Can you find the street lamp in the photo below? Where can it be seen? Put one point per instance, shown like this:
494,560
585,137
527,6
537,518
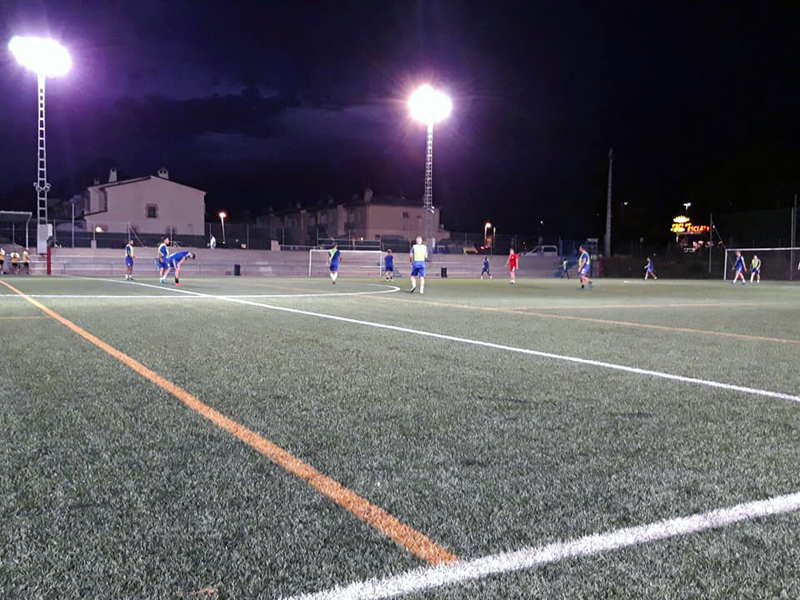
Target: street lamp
486,229
222,216
46,58
686,205
429,106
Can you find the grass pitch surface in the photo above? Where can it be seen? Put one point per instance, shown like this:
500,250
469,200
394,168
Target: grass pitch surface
113,488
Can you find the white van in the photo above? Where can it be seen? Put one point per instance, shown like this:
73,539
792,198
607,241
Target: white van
542,251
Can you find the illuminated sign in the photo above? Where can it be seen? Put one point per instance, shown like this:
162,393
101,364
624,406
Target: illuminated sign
682,224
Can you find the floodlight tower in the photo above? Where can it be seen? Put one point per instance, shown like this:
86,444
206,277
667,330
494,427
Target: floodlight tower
429,107
46,58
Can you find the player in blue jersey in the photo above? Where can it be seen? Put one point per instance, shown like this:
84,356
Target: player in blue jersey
487,268
161,260
129,261
388,265
649,271
333,262
739,268
755,269
417,258
174,261
584,267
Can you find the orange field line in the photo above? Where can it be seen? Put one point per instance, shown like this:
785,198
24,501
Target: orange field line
741,336
526,311
402,534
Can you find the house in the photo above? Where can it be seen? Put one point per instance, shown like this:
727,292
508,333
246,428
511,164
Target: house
368,217
153,204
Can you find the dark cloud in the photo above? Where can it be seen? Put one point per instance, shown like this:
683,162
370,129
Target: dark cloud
271,102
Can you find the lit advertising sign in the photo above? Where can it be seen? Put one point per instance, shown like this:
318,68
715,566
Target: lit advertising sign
682,224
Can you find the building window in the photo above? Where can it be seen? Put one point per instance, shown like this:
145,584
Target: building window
406,215
152,211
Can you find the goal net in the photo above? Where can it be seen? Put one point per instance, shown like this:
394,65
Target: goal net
352,263
776,263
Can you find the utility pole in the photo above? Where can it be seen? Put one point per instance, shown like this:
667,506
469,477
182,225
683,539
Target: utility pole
793,241
710,239
608,203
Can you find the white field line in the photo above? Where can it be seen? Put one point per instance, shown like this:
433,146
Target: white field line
427,578
202,297
452,338
390,289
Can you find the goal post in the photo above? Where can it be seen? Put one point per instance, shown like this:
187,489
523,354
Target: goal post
776,263
352,263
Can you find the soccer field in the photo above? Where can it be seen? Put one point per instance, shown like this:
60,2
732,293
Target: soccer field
285,438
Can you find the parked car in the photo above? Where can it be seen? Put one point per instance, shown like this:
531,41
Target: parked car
542,251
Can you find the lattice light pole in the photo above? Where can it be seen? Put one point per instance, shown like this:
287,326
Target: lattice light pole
46,58
429,107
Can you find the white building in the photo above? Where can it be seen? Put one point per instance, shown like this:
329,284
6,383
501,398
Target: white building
152,204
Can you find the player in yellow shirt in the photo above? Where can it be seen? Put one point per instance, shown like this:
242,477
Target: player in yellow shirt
2,260
417,258
14,262
26,261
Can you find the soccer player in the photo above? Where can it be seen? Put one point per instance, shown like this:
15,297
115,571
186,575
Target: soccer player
511,263
565,269
129,261
174,261
584,266
2,259
755,269
161,260
739,268
333,262
26,261
487,269
417,258
648,269
14,262
388,265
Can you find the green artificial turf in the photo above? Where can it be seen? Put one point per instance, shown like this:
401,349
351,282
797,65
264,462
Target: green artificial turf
112,488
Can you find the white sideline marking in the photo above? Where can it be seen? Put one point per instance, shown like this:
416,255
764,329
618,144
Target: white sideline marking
427,578
452,338
203,297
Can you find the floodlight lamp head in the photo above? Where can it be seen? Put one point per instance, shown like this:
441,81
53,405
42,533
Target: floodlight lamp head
44,56
429,106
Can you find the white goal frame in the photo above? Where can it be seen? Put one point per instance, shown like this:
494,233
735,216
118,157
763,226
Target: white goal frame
370,265
789,249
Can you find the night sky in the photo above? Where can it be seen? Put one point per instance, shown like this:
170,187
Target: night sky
269,103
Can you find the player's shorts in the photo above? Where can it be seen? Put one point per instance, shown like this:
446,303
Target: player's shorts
418,269
649,269
584,271
739,270
160,264
334,267
128,261
756,271
485,270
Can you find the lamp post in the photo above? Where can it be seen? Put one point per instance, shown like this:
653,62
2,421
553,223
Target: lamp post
222,216
429,106
46,58
686,206
486,229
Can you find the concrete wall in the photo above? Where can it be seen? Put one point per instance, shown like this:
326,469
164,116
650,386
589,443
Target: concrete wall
220,262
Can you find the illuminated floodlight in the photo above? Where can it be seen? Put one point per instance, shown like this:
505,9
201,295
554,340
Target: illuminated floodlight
429,106
44,56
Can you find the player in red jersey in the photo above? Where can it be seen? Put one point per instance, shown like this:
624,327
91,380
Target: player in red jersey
511,263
